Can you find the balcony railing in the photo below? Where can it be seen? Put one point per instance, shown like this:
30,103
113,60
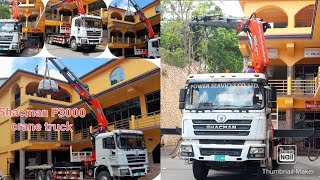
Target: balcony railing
303,87
16,103
41,136
298,87
280,85
147,120
150,120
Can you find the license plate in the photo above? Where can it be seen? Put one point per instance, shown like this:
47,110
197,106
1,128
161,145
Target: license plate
221,158
139,174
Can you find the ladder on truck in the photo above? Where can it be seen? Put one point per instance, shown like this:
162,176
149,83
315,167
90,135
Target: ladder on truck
275,117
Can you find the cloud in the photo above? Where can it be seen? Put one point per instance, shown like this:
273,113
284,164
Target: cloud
7,67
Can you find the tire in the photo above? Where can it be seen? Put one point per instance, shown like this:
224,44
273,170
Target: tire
48,175
104,175
74,45
200,170
92,48
41,175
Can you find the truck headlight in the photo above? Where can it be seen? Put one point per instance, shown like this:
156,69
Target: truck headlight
124,172
15,46
187,150
84,41
256,152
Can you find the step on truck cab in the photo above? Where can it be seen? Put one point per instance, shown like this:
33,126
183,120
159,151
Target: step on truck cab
225,123
10,36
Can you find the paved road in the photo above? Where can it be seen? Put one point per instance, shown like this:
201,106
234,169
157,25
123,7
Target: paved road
61,51
28,52
177,170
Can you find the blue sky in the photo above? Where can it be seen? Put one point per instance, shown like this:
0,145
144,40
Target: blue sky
124,3
79,66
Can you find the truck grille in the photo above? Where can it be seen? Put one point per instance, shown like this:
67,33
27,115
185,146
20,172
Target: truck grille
215,151
136,159
214,141
232,127
91,33
6,38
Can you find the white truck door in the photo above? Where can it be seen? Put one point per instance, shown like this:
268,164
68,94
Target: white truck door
106,151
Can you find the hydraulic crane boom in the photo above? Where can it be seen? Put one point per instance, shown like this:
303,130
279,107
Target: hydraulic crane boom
81,89
143,19
15,9
78,3
254,28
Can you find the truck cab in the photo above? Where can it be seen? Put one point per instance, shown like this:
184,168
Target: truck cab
226,122
10,42
86,31
121,153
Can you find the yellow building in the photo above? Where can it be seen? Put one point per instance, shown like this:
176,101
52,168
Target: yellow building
130,98
121,32
293,45
31,21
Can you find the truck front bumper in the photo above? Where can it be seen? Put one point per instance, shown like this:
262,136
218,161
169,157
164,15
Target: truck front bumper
9,47
126,171
222,152
90,41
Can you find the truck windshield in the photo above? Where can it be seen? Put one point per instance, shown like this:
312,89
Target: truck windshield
131,141
8,27
204,96
92,23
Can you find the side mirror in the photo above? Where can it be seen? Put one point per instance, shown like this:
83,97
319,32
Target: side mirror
272,104
182,98
273,93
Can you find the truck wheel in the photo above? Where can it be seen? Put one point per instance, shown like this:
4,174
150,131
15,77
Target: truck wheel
200,170
41,175
104,175
92,48
49,175
74,46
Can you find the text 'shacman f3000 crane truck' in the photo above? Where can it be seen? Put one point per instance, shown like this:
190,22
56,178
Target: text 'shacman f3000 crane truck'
115,155
228,118
11,32
152,44
85,30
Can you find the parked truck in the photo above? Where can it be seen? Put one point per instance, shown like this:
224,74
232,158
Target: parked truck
119,154
227,122
85,31
11,41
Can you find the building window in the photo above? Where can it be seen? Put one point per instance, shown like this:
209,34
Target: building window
123,110
85,123
158,8
117,75
96,6
153,102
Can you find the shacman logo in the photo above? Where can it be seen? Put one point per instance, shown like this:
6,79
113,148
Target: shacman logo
286,154
221,127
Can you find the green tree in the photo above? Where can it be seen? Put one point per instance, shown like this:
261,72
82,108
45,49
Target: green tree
4,11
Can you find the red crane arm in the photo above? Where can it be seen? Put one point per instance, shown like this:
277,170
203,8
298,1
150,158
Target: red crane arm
81,89
15,9
143,19
254,28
